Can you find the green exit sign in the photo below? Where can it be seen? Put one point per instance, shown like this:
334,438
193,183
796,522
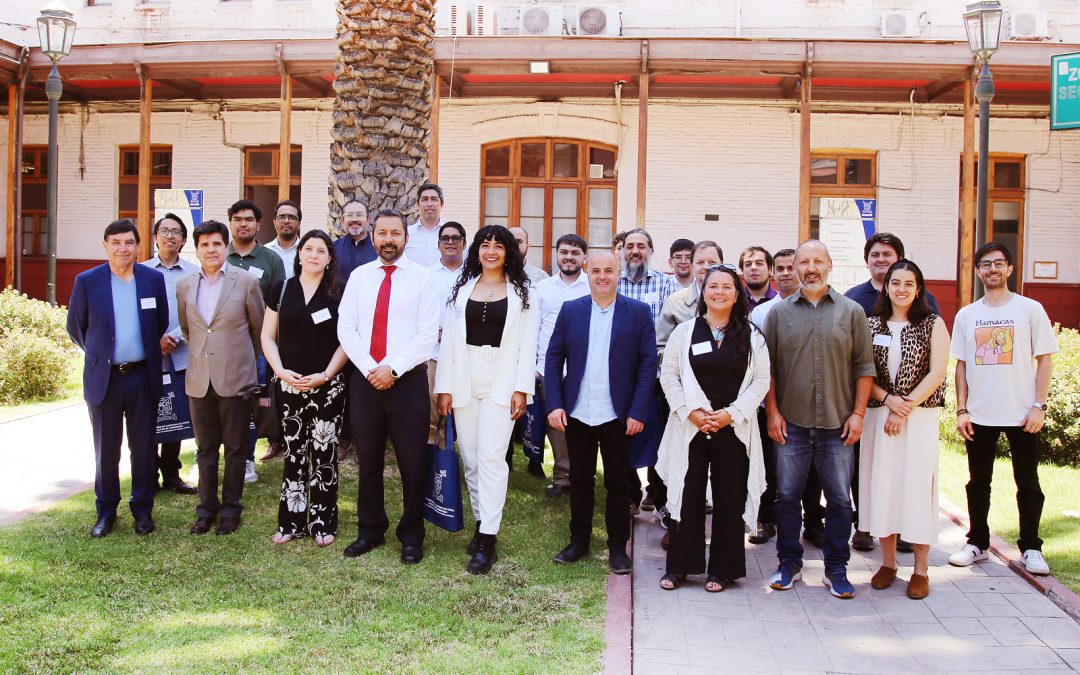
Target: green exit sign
1065,91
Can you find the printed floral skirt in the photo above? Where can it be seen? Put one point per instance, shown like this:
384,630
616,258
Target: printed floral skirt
310,421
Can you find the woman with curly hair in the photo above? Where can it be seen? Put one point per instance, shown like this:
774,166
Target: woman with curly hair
486,374
299,340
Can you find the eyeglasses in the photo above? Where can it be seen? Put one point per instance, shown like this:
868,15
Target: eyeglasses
287,218
998,264
170,232
681,258
451,239
722,266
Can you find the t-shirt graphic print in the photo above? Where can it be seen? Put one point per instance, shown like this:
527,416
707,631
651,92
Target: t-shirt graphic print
994,342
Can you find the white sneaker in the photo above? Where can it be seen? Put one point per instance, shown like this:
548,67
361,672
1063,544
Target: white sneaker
249,473
663,516
1035,563
967,556
193,475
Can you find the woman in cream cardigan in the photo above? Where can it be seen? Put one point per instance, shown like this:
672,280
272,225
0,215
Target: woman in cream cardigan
486,374
715,375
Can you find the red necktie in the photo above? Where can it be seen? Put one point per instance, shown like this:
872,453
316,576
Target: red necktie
382,313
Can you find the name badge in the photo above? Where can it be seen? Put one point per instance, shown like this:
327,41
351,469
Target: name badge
148,303
700,348
166,378
255,272
321,315
882,340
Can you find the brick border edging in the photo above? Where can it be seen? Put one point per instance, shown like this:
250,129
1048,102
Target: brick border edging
1058,593
619,620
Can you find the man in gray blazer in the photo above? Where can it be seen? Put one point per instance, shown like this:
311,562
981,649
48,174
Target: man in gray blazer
221,312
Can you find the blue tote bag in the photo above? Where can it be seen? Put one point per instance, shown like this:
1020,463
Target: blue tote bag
442,499
533,429
173,415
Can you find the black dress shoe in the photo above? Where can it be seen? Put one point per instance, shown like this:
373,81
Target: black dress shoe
903,546
470,548
144,524
103,526
362,546
618,561
572,553
202,525
177,485
763,533
815,535
485,555
536,470
556,490
411,554
228,525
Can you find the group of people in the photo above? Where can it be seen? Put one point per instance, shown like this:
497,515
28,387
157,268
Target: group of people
757,380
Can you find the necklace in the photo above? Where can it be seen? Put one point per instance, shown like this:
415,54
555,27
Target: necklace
717,331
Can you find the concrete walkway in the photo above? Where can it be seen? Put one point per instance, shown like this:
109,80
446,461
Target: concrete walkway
44,458
982,618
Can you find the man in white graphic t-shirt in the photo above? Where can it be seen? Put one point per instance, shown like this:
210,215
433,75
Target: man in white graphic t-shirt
1003,344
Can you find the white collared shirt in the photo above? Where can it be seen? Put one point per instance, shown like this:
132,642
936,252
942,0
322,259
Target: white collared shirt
551,293
173,275
412,323
423,245
443,280
288,255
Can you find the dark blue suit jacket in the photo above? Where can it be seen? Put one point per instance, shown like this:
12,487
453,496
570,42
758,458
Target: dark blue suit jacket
631,357
90,325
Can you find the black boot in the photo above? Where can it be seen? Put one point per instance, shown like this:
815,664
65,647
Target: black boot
485,555
475,541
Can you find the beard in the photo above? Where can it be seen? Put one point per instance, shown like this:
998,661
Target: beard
389,252
635,271
757,285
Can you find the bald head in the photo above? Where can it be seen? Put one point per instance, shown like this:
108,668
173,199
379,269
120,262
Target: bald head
813,264
522,239
603,270
813,247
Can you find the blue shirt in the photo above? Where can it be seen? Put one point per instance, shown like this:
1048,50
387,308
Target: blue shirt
593,406
866,295
173,275
352,254
125,301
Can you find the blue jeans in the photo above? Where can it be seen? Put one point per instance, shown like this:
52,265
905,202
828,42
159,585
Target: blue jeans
833,460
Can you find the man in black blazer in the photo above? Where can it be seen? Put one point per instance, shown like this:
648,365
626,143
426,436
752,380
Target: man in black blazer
599,374
121,341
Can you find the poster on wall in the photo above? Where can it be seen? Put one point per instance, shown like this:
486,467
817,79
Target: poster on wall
188,204
844,226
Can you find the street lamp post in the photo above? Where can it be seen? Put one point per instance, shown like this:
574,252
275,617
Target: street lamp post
982,21
56,31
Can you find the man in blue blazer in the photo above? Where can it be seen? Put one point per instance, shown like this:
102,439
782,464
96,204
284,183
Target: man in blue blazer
118,314
599,373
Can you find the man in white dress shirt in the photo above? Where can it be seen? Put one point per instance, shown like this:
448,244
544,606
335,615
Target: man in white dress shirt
388,325
444,274
423,246
551,293
287,217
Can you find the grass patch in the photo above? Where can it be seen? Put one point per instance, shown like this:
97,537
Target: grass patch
173,601
1060,533
71,393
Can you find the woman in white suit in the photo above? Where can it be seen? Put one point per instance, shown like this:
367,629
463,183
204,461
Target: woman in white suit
486,374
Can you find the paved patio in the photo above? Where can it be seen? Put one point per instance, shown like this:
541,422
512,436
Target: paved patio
982,618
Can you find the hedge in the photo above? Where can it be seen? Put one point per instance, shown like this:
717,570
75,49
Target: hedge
35,350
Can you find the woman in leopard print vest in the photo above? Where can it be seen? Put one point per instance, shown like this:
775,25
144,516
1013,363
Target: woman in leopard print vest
898,488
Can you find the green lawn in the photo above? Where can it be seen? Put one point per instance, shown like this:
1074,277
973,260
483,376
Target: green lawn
72,393
1061,485
173,601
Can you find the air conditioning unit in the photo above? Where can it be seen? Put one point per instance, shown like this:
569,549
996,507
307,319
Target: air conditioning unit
897,23
452,19
484,20
541,20
1028,26
597,21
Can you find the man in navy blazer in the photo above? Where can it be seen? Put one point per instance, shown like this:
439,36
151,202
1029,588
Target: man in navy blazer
599,374
118,314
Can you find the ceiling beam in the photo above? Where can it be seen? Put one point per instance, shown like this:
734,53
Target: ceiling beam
190,88
320,86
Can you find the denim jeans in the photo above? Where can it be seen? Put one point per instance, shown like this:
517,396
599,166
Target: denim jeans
833,461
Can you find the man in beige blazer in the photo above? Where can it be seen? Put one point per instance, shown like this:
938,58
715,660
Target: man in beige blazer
221,313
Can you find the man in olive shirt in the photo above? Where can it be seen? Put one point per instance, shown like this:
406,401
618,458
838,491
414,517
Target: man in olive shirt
822,371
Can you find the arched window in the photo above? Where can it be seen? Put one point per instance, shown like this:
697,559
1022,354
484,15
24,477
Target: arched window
550,187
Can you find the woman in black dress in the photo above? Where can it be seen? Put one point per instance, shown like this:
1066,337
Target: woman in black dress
299,340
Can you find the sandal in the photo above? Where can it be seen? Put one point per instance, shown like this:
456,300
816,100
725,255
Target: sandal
281,538
716,584
670,582
324,539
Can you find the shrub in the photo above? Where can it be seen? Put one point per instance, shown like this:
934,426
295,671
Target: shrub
31,367
19,312
1060,438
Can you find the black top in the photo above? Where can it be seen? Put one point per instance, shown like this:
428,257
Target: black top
719,370
307,334
484,322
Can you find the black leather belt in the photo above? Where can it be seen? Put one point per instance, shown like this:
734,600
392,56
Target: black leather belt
129,367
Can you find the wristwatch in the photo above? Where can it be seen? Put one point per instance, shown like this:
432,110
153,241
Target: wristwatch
1040,406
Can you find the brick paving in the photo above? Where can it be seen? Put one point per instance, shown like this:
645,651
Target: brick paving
982,618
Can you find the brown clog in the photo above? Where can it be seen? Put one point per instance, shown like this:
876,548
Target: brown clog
918,587
883,578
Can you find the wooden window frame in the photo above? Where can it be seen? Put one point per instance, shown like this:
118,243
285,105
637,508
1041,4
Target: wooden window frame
156,182
996,194
549,182
275,156
841,189
38,175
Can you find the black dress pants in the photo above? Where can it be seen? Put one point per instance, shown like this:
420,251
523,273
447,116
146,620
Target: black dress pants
400,412
1029,494
582,442
220,420
726,456
768,497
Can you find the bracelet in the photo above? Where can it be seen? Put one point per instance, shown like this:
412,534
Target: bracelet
963,411
858,413
886,398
